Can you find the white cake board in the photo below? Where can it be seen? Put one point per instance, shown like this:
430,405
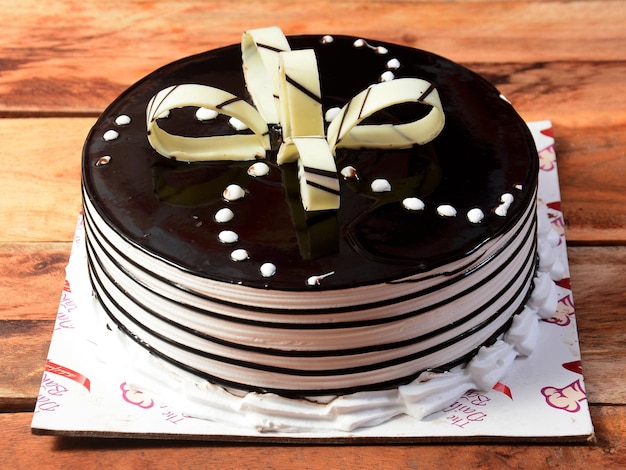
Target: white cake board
542,398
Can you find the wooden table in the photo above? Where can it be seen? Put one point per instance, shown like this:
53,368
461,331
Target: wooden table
62,62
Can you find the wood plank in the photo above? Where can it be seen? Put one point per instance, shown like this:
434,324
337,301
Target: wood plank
40,180
599,290
597,278
76,56
41,202
591,167
31,279
23,349
24,450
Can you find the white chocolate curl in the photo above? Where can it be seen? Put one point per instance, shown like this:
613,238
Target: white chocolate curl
317,173
345,131
260,49
300,95
228,147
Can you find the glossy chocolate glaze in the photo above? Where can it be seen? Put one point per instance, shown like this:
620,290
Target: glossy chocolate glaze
167,208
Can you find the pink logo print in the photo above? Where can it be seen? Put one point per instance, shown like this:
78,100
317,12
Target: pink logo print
136,397
547,159
564,311
567,398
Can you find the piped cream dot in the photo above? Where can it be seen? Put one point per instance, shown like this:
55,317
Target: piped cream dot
475,215
359,43
206,114
327,39
240,255
507,198
413,204
268,269
380,185
228,236
387,76
446,210
350,173
393,64
501,210
259,169
122,120
224,215
237,124
331,114
381,50
234,192
110,135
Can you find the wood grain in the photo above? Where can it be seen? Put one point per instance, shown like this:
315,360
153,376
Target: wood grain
23,450
62,63
36,269
71,57
40,178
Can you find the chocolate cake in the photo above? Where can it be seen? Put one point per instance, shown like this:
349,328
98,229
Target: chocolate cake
215,243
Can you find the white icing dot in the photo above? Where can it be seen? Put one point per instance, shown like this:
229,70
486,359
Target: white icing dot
393,64
507,198
224,215
381,50
475,215
331,114
122,120
359,43
518,187
387,76
259,169
110,135
237,124
228,236
349,173
239,255
501,210
205,114
380,185
327,39
233,192
503,98
268,269
413,204
315,280
446,210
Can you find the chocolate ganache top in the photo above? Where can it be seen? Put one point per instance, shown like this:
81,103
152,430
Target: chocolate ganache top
483,163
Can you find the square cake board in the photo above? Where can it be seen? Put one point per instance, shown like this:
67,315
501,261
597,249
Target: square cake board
541,399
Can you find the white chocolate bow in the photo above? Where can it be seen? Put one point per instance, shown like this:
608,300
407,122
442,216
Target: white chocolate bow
285,88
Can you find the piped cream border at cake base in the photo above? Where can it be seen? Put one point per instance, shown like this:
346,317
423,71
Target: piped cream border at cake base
429,393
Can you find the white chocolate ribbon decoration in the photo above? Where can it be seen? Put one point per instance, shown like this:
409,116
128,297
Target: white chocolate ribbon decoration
285,88
260,50
317,172
191,149
345,131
